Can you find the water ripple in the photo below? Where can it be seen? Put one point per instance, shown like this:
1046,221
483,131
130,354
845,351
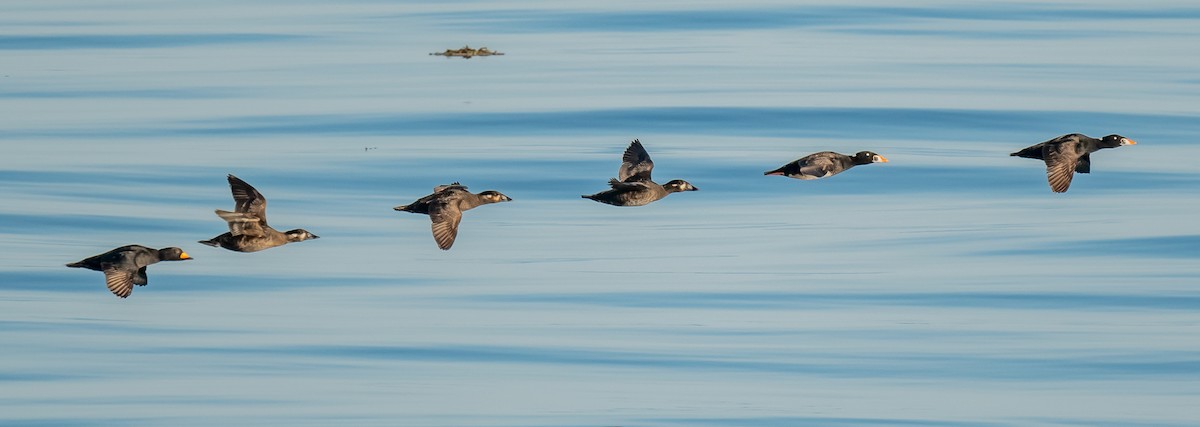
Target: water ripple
861,123
541,21
805,300
1176,365
136,41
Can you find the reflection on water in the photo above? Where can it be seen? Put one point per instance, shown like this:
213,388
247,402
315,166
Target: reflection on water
946,287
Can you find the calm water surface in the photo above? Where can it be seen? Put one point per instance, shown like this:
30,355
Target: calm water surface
947,287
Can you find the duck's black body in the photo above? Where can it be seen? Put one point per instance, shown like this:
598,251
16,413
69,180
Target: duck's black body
638,193
445,207
1068,154
125,266
825,164
633,186
248,229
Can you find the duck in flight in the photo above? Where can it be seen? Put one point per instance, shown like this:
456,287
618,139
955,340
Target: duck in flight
248,229
1068,154
825,164
125,266
633,186
445,207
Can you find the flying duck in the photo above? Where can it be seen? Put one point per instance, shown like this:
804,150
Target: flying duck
125,266
248,229
633,186
445,207
1068,154
825,164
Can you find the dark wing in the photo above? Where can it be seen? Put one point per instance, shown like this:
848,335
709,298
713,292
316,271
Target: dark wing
819,165
118,280
140,278
445,216
247,200
1060,165
242,223
1085,164
635,163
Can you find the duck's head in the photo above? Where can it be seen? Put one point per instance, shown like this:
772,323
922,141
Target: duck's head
1113,141
173,254
865,157
300,235
677,185
492,196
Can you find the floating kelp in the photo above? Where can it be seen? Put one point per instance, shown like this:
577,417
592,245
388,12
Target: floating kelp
467,52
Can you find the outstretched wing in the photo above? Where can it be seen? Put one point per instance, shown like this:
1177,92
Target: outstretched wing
1061,160
248,200
445,217
635,163
118,280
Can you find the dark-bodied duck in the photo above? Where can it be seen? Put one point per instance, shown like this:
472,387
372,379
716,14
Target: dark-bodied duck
445,207
1068,154
125,266
248,229
633,186
825,164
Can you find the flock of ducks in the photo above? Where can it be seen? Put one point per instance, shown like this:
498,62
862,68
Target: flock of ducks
125,266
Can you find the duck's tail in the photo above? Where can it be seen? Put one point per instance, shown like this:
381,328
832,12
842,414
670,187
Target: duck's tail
212,243
1034,152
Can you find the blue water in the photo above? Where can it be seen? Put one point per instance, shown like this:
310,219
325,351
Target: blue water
948,287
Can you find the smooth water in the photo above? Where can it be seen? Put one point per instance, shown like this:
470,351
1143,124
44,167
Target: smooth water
947,287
